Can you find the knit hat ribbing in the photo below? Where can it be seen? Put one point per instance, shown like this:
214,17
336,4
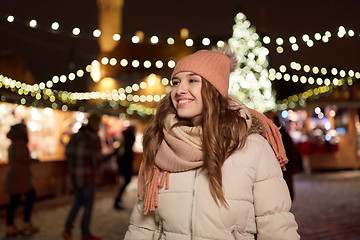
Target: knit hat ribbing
214,66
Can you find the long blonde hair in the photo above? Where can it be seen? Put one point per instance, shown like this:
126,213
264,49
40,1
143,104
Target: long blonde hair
224,131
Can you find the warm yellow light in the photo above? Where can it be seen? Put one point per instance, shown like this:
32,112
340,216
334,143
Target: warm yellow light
10,18
315,70
71,76
95,73
165,81
280,49
116,37
49,84
292,39
135,63
170,41
159,64
123,62
295,78
305,37
140,35
113,61
128,89
317,36
206,41
334,71
135,39
295,47
104,60
80,73
184,33
147,64
266,40
76,31
189,42
220,43
143,85
107,84
151,79
171,64
282,68
154,39
96,33
55,26
342,73
32,23
135,87
279,41
311,80
62,79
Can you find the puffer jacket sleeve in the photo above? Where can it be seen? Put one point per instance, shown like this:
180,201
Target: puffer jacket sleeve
141,227
272,200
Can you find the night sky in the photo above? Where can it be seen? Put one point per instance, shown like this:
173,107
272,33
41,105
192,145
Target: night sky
47,54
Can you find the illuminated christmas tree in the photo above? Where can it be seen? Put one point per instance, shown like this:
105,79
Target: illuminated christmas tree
250,82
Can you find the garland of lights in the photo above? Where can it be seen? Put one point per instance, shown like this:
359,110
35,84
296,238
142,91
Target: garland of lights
289,102
124,95
316,70
303,79
71,98
342,32
55,28
301,98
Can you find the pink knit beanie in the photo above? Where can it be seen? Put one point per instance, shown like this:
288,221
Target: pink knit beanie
214,66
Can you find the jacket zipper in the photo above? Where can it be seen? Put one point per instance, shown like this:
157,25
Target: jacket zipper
192,206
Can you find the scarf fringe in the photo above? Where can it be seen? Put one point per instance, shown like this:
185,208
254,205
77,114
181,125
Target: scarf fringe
151,190
273,136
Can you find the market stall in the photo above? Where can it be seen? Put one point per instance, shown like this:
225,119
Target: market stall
326,137
49,131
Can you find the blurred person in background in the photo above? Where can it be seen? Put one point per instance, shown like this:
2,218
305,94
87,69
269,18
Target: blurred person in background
83,154
292,153
18,181
212,166
124,158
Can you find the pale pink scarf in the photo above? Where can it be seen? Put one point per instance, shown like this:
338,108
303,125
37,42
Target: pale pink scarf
181,151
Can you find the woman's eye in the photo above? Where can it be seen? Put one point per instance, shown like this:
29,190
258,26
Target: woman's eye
175,83
193,80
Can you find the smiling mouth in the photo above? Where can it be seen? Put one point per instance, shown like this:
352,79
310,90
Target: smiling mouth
184,102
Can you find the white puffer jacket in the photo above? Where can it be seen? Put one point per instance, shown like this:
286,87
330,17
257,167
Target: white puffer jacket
258,198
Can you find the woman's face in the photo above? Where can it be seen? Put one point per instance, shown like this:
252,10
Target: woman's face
186,96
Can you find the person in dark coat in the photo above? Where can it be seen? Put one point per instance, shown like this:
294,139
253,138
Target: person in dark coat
294,156
18,181
83,155
124,158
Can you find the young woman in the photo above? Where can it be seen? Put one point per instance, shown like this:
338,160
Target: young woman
220,163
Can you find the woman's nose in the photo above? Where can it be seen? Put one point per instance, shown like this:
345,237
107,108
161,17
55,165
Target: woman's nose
182,88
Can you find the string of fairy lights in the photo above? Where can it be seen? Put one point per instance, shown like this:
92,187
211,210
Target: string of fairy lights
325,79
308,39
